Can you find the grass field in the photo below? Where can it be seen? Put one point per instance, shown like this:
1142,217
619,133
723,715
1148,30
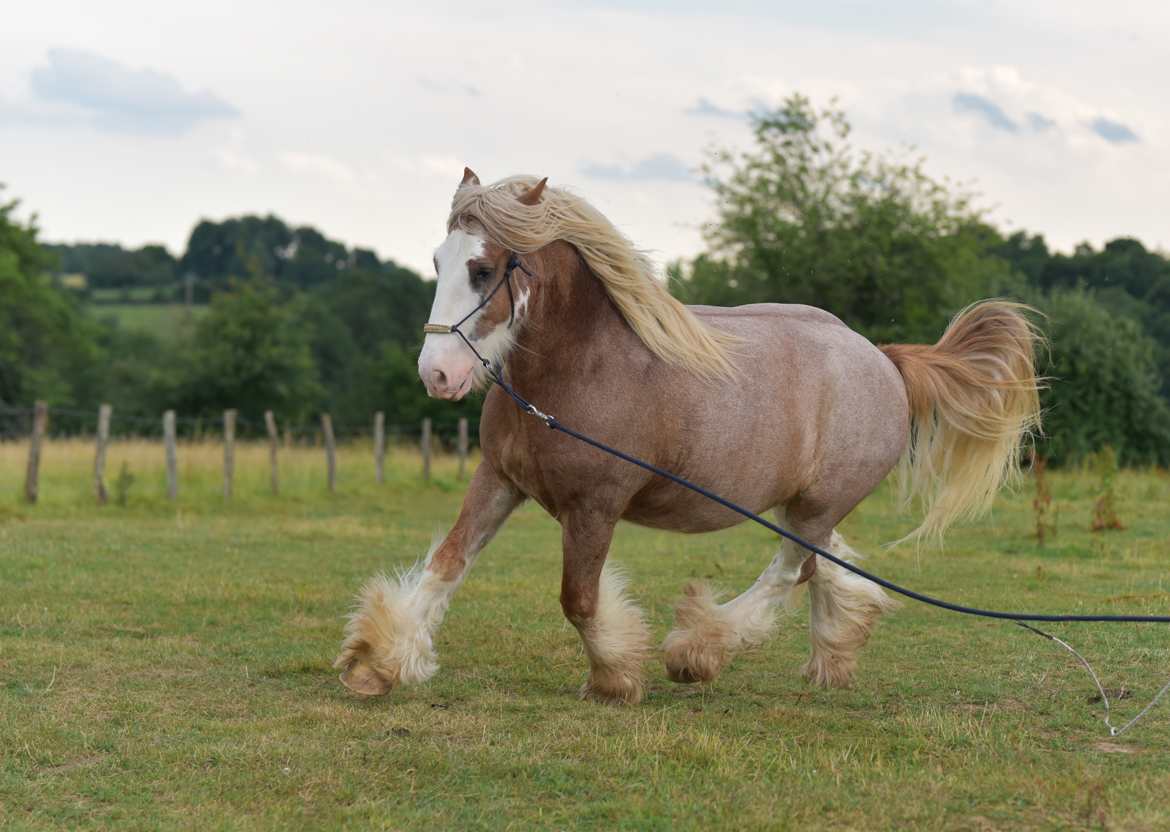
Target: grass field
167,666
163,320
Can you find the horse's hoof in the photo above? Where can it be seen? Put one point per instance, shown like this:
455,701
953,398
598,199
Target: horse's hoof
613,688
364,680
689,659
829,671
683,675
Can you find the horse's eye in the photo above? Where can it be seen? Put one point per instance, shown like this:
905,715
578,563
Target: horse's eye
482,274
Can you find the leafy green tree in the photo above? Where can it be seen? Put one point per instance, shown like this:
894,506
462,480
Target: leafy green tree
47,347
1104,384
803,217
379,304
251,353
1125,276
110,266
403,397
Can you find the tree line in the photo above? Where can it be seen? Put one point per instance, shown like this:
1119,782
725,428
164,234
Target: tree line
805,217
302,324
295,323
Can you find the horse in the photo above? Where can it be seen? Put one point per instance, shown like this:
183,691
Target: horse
776,407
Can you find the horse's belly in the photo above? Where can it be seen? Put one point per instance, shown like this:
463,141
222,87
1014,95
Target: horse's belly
666,505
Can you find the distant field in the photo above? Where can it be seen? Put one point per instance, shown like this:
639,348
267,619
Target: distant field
167,666
164,320
141,294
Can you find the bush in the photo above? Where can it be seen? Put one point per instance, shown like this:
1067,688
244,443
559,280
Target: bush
1103,385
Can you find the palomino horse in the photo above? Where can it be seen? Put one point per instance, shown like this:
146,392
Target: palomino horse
772,406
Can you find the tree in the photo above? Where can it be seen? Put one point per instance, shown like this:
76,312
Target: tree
803,217
1125,277
250,353
1103,385
109,266
47,347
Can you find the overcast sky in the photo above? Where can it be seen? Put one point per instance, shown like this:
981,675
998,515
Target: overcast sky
129,121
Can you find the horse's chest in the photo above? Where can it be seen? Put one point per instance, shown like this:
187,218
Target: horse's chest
513,454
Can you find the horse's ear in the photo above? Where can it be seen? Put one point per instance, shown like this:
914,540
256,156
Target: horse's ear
532,195
469,178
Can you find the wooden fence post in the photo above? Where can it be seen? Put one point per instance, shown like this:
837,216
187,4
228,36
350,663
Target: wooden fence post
380,446
172,457
462,446
330,450
426,448
229,452
33,473
99,460
273,438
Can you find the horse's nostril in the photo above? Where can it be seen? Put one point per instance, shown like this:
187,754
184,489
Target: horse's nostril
439,377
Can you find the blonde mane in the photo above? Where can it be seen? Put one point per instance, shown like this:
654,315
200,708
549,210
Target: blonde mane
666,326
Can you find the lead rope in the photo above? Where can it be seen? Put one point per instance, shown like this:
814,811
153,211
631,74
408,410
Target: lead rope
497,375
1113,730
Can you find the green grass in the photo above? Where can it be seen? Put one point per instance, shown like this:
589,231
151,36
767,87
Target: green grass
163,320
141,294
167,666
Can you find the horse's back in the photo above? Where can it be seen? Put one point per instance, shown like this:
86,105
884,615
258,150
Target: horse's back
800,339
814,406
733,316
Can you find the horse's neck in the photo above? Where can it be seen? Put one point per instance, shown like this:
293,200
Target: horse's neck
573,321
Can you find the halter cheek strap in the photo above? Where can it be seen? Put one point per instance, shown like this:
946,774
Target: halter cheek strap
506,281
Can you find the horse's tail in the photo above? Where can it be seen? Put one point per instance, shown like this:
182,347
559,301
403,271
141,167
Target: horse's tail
974,399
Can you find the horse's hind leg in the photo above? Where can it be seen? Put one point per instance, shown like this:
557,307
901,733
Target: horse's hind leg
707,635
843,609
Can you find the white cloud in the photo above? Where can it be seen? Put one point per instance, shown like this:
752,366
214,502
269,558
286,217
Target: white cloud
317,164
236,161
368,138
121,98
658,167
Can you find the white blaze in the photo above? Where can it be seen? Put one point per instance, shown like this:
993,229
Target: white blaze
454,299
454,296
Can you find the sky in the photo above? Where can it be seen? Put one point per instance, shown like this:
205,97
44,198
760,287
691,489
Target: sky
130,121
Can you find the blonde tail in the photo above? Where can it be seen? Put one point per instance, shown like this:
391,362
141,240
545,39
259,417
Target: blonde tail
974,399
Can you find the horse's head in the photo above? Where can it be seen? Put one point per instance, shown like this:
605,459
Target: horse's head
480,288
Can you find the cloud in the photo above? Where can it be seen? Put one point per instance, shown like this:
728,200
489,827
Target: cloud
1113,132
661,167
1039,122
1002,98
706,108
120,98
448,88
236,161
316,164
985,108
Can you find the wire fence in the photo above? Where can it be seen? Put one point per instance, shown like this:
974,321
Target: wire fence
17,423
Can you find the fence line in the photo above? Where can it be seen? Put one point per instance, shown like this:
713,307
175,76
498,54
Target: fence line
196,427
39,431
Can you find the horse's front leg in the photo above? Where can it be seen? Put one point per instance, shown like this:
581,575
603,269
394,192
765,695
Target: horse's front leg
612,628
389,638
